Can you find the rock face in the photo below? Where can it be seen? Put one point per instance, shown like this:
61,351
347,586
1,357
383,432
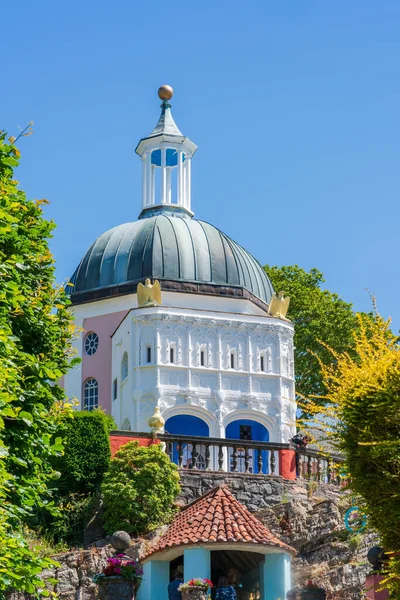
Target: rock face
74,575
307,516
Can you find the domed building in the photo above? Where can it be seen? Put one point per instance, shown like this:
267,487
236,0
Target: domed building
197,340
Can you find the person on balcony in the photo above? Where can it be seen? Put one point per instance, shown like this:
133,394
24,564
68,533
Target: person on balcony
224,590
173,592
291,595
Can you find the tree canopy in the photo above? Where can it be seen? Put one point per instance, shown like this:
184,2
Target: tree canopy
362,416
317,314
35,333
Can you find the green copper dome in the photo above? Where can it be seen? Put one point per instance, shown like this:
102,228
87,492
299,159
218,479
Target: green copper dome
184,254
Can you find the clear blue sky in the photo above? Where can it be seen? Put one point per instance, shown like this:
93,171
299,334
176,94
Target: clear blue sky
294,106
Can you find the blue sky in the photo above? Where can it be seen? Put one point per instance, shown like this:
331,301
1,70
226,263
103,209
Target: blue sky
294,105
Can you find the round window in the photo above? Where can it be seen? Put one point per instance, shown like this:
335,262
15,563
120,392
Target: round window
91,343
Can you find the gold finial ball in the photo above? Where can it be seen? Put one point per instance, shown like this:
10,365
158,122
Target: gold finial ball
165,92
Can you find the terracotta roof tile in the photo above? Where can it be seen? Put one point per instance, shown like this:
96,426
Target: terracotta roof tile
216,517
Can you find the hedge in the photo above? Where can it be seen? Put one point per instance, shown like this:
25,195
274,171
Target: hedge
86,452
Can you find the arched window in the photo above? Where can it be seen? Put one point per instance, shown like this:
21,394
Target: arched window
91,343
124,367
90,394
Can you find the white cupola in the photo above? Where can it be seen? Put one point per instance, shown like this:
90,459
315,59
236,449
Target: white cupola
166,159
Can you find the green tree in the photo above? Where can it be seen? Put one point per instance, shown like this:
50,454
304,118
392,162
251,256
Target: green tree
362,416
317,314
139,489
35,333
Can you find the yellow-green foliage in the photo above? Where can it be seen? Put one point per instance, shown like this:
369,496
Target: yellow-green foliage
362,416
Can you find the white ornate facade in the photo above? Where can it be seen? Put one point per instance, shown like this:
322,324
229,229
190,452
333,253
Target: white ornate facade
218,367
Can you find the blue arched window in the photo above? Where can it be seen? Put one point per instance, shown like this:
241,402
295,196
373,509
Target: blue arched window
249,431
188,425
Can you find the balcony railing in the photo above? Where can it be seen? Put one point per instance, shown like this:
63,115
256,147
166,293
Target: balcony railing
317,466
248,457
225,455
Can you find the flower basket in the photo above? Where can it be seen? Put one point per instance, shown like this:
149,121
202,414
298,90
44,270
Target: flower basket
119,579
195,589
196,593
116,586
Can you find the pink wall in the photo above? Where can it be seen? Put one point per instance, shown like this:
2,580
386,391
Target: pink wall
99,364
372,586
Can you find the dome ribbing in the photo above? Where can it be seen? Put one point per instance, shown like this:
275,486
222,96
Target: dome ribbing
171,248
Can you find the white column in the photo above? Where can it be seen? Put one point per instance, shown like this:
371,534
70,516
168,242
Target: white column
179,198
250,361
184,166
189,359
168,184
144,177
163,175
149,181
152,185
188,162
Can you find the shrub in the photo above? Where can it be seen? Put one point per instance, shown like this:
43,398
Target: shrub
86,452
67,526
139,489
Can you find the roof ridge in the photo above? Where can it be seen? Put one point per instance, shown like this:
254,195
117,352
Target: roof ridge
212,491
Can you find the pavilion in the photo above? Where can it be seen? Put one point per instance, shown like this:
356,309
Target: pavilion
211,535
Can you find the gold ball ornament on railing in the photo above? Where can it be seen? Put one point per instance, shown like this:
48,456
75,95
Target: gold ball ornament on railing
165,92
157,422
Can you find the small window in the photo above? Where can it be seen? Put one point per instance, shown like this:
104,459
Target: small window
91,394
115,389
262,363
171,355
124,366
91,343
246,433
148,354
232,360
202,358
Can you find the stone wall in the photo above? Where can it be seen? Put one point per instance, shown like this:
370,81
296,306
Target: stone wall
305,515
74,575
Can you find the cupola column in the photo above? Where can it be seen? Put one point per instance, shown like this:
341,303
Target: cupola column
188,184
164,192
144,180
149,184
180,198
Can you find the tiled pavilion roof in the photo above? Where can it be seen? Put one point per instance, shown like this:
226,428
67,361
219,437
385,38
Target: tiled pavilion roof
217,517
